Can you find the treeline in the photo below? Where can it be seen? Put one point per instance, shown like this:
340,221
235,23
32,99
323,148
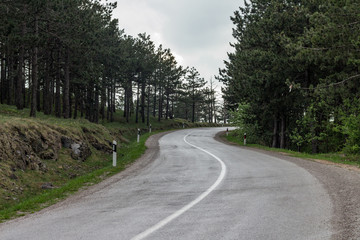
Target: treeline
293,79
69,58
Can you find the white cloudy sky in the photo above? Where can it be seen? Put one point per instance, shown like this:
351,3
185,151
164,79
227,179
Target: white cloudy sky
198,32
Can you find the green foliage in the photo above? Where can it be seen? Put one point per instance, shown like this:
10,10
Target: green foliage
295,64
246,123
331,157
83,61
349,126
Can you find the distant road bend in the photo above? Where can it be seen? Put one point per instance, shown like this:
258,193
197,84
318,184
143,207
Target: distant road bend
195,187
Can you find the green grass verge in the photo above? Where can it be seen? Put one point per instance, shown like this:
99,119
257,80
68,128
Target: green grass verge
31,204
331,157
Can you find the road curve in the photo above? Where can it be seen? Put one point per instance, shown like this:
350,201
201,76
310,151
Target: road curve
195,188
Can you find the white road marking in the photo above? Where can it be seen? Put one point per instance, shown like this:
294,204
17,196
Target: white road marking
191,204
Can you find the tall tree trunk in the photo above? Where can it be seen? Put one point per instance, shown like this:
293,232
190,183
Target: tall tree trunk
3,86
52,89
47,98
125,101
193,109
109,107
38,95
143,96
96,105
129,107
282,132
103,98
90,102
11,79
154,107
81,99
113,99
160,103
112,105
70,101
167,106
27,100
275,132
66,88
137,103
148,107
19,100
35,72
58,82
76,92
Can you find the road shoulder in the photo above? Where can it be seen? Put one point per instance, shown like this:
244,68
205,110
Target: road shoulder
341,183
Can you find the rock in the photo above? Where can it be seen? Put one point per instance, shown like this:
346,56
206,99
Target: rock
72,175
80,151
75,147
66,142
47,186
13,176
48,154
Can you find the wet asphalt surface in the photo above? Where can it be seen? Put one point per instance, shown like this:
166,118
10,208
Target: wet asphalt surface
192,187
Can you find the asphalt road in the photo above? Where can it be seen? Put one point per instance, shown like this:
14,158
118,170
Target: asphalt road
194,188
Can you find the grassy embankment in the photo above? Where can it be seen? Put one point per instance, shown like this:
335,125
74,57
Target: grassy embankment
330,157
32,155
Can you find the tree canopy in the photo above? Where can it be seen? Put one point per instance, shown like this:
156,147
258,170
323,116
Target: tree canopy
71,58
293,77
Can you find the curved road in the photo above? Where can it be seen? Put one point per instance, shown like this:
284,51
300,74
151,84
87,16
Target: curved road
195,188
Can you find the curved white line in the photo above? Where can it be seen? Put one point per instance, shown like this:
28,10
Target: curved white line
191,204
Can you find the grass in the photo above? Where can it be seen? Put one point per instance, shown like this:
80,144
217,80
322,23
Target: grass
35,202
21,189
331,157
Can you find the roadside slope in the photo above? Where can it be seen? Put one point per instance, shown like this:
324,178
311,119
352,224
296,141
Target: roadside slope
44,159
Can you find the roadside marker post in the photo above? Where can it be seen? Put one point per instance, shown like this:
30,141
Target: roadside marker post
150,128
244,138
227,131
138,135
114,153
183,125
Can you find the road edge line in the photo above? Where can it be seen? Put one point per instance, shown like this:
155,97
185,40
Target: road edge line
184,209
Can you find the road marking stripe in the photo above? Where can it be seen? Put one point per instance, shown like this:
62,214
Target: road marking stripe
191,204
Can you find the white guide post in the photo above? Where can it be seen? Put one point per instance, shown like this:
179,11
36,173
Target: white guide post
138,135
114,153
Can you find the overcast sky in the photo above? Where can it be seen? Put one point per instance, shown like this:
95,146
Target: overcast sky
198,32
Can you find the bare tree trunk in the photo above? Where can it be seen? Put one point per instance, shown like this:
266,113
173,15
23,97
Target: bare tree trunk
19,100
154,107
137,103
167,106
193,107
27,98
160,104
35,73
96,105
81,93
148,107
282,132
10,77
113,99
66,90
275,132
143,97
47,97
3,79
76,92
103,98
58,82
